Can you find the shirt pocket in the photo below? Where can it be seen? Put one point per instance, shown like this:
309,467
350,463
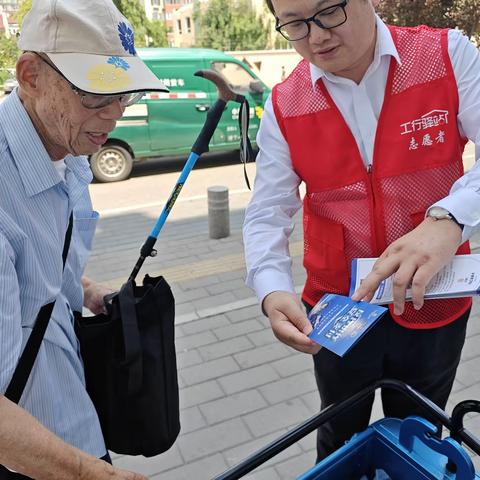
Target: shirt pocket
84,230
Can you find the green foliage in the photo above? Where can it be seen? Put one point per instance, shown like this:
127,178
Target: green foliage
227,25
157,34
23,7
464,14
8,57
147,33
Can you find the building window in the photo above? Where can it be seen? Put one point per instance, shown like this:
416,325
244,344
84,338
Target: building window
179,25
189,25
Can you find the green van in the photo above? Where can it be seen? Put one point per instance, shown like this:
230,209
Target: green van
166,124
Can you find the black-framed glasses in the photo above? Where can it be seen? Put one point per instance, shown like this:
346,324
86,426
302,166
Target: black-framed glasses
94,101
327,18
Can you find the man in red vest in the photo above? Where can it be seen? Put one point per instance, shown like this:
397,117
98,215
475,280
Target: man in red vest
373,121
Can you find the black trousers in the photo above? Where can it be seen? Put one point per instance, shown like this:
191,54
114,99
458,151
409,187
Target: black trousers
427,360
6,474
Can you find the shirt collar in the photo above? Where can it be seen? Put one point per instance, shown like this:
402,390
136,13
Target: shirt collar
385,46
36,169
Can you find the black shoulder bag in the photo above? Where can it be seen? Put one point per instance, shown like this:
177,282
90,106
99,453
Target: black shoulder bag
131,370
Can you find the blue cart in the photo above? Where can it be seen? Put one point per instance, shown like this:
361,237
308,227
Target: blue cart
395,449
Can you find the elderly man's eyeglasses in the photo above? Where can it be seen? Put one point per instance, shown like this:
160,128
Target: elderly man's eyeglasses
326,18
93,100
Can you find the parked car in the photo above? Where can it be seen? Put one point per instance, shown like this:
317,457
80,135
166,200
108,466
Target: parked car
167,124
9,85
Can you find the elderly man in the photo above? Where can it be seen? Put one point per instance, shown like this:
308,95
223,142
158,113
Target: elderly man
77,73
374,121
28,447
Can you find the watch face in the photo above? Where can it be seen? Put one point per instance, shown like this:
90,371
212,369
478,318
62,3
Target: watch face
439,213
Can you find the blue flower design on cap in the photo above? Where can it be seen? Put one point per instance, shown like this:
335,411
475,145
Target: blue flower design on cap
119,63
127,37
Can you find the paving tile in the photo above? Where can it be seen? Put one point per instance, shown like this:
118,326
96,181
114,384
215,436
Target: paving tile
290,387
296,466
293,364
191,419
245,313
469,373
241,452
247,379
227,286
232,406
470,349
281,415
188,358
212,301
200,393
203,469
189,295
204,324
262,355
209,370
190,342
265,474
263,337
213,439
243,293
241,328
227,347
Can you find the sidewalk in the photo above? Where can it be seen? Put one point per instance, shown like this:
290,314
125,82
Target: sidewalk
240,388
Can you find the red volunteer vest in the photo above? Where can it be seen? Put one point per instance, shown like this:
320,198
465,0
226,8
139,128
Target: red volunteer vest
349,212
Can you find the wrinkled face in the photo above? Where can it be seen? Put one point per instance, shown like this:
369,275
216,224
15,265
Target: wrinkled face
346,50
63,123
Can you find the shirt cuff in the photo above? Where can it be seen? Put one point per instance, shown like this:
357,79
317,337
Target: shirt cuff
464,205
270,280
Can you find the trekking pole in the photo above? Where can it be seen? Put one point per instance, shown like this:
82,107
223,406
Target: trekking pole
225,95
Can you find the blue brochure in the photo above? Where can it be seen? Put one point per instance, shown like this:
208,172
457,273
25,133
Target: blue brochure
339,323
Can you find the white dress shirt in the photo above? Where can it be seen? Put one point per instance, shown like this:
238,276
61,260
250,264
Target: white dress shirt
268,218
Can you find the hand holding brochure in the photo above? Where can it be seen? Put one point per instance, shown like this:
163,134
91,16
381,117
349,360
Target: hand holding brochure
338,322
460,278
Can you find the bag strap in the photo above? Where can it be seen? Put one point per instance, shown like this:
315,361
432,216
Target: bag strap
29,354
133,361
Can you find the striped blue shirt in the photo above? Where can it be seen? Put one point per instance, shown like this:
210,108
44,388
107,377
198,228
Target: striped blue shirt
35,204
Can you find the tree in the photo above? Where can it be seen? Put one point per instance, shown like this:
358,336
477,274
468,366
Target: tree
147,33
23,7
227,25
464,14
8,57
157,34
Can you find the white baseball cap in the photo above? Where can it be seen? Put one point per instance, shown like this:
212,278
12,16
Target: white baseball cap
91,43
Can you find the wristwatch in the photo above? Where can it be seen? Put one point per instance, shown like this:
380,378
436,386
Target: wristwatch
440,213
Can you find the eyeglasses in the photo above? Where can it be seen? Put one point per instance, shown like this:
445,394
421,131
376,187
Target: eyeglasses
93,100
326,18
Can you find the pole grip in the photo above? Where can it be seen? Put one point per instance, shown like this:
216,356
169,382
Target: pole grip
213,117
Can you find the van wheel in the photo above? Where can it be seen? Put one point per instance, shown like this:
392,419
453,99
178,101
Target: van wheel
111,163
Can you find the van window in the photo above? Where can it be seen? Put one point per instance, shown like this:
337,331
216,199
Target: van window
237,77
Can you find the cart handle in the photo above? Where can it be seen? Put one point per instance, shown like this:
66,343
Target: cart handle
296,434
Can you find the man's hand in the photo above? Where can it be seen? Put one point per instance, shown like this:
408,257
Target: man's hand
289,322
93,294
99,470
413,260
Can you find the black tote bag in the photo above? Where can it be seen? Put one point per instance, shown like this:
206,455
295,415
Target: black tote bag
130,368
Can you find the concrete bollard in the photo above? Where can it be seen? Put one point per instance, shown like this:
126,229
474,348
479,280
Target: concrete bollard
218,212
